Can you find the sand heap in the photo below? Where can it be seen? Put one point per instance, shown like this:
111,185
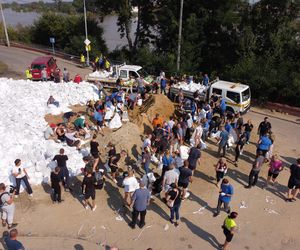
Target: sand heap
127,138
144,115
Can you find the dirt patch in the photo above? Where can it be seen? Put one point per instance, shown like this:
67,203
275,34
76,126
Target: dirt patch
155,104
6,72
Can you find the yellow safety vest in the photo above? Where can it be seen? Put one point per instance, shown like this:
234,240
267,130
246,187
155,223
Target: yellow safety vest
97,59
28,74
82,58
107,64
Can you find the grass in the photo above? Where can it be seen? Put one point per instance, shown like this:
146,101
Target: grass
3,68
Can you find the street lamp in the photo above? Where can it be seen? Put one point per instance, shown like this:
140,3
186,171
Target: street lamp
4,24
86,36
179,36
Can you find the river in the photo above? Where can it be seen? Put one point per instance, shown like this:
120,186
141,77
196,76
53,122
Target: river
109,25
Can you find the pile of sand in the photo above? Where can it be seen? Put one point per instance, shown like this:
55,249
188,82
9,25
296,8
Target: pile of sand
126,138
144,115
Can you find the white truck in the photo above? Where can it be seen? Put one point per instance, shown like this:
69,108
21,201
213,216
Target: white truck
237,96
126,73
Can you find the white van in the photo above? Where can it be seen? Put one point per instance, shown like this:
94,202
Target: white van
237,96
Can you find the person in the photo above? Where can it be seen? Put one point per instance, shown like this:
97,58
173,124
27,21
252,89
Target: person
52,101
221,169
167,159
69,116
130,184
77,79
223,141
157,120
171,176
88,189
197,135
294,182
49,132
239,148
226,192
55,185
44,74
7,207
223,107
56,75
12,243
194,157
256,167
28,73
163,85
89,163
264,127
205,80
61,160
66,75
247,129
20,174
72,139
82,60
185,177
229,228
174,202
95,151
147,142
274,170
139,203
146,160
264,144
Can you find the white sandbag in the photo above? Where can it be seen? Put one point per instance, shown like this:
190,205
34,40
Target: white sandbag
115,123
125,117
140,102
184,152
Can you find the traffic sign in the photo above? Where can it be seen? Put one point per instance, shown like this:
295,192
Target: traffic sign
87,42
52,40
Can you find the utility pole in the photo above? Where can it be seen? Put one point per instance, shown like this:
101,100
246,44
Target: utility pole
179,36
86,36
5,28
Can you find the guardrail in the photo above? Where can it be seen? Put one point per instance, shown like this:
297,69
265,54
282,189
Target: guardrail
42,49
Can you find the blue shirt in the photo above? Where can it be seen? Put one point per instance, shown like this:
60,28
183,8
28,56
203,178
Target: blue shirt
98,116
227,189
140,199
163,83
227,127
167,161
14,244
265,143
205,81
223,105
224,138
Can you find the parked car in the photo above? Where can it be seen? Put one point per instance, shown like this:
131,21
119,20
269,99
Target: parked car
39,63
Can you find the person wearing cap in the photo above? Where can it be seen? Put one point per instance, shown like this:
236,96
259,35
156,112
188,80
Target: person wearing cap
139,203
20,173
49,133
229,228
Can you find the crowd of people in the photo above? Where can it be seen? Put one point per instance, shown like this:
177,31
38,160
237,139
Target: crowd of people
169,157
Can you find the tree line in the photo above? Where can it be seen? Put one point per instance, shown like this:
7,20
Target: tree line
256,44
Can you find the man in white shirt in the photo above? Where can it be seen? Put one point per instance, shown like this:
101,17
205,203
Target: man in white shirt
171,176
171,122
130,184
197,134
147,142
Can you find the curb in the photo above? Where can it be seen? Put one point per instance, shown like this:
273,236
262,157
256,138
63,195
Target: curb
273,116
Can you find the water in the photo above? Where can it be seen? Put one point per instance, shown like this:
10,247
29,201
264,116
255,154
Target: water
109,25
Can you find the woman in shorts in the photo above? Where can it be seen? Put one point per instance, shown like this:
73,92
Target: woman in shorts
88,189
229,228
274,170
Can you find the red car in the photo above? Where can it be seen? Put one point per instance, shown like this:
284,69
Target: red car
41,62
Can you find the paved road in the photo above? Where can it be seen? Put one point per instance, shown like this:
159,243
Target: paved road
19,59
287,135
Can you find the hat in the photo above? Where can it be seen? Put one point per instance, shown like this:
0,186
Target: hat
52,125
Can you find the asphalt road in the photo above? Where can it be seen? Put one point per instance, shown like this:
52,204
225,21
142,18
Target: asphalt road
18,60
